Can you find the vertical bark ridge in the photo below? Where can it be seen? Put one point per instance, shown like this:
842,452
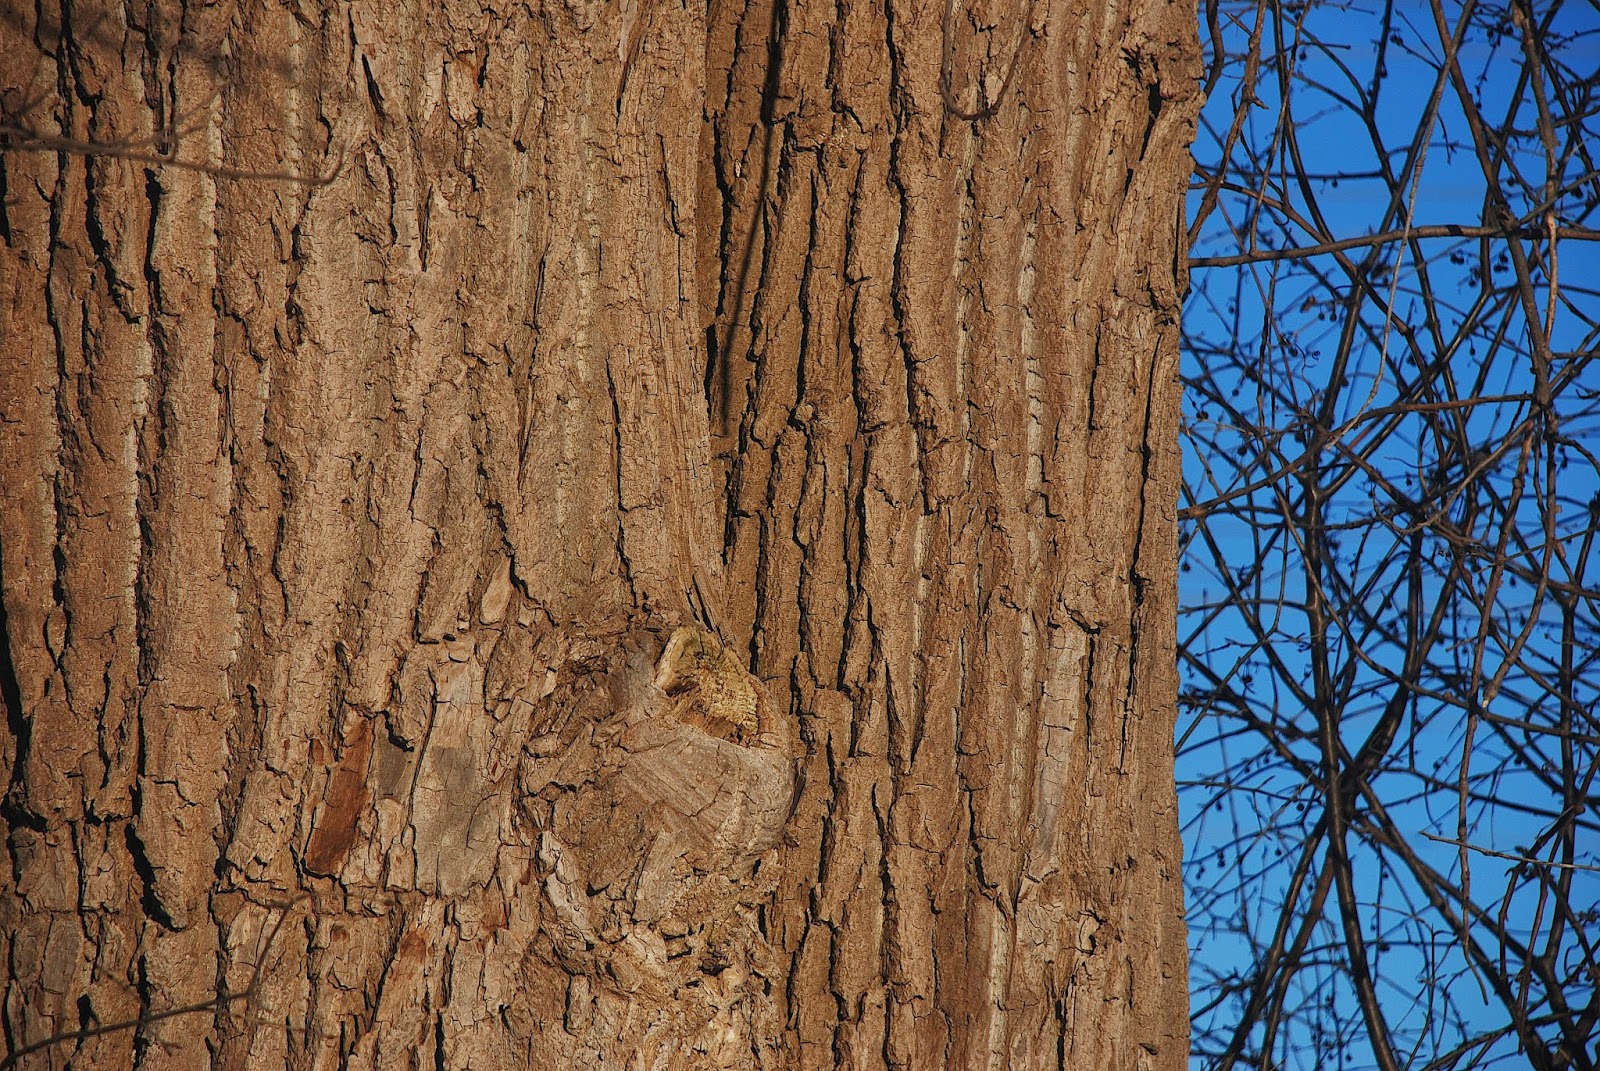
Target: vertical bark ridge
988,818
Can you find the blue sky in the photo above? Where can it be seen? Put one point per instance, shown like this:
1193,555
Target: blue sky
1265,339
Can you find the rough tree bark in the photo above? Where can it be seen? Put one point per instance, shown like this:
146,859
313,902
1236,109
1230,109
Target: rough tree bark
664,560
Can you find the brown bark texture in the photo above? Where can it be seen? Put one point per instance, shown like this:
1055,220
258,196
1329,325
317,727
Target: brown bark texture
597,535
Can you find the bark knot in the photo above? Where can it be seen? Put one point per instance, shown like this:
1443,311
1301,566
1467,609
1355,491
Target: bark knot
710,689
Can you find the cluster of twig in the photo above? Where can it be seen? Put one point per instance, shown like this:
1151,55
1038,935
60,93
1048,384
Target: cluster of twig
1391,633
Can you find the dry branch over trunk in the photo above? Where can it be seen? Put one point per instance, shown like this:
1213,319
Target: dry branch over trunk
666,560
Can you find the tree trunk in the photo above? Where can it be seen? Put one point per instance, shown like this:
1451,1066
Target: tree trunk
592,536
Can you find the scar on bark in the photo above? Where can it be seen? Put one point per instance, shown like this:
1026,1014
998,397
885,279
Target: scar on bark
346,798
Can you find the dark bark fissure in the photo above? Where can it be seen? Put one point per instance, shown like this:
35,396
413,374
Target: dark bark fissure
21,728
